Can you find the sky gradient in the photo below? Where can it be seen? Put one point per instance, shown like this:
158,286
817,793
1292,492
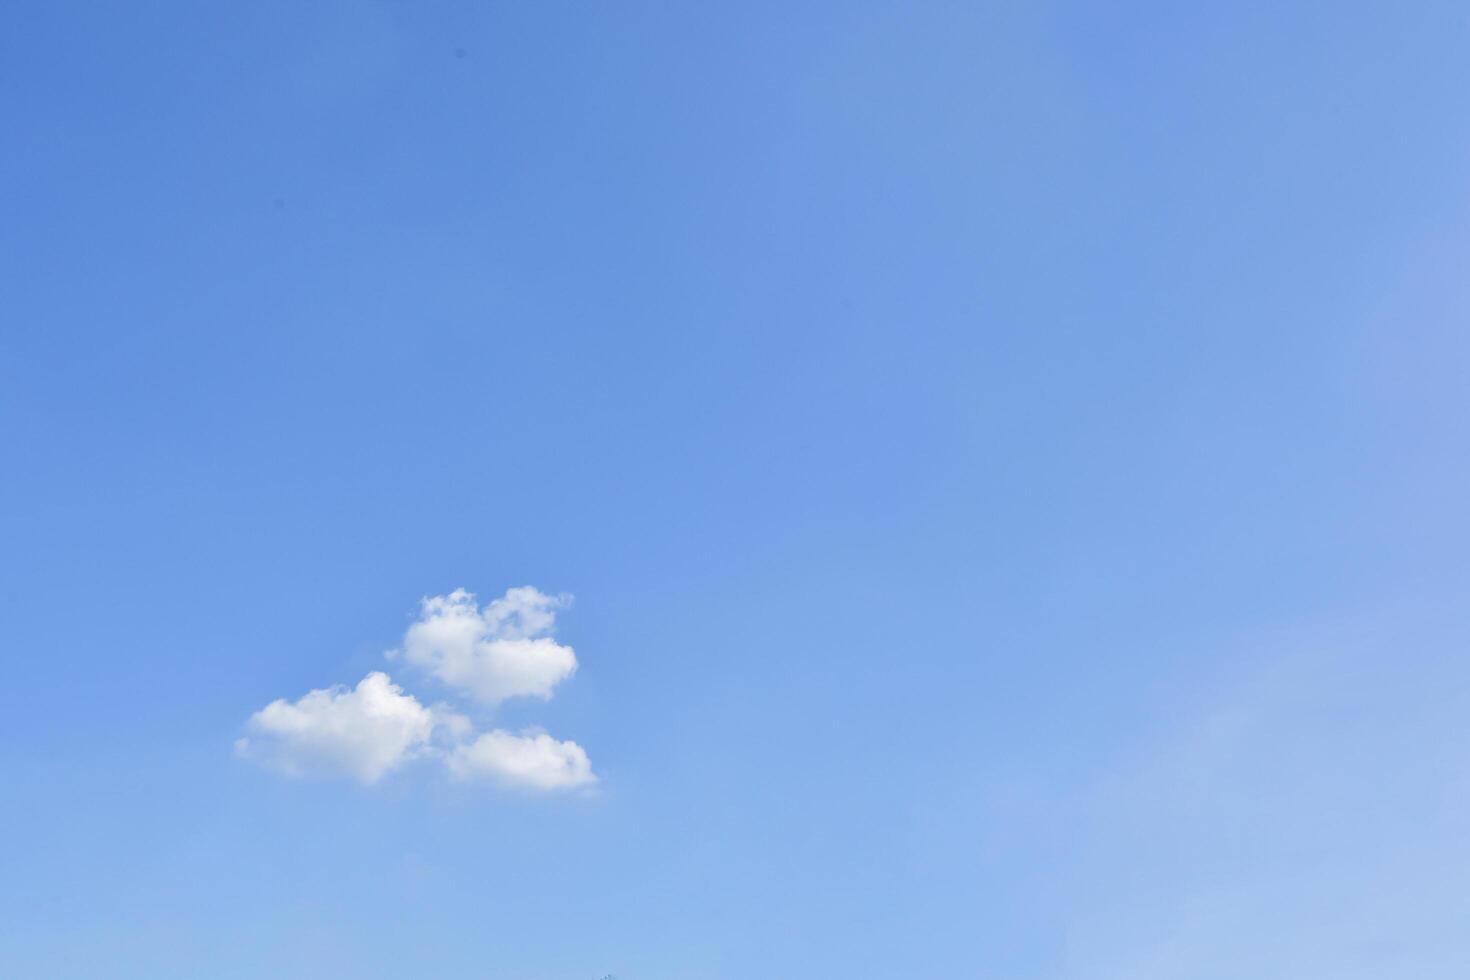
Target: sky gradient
1006,465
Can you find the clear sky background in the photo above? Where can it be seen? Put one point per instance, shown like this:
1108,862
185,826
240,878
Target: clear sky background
1010,461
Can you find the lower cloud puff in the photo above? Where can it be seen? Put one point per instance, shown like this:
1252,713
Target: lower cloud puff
366,732
532,760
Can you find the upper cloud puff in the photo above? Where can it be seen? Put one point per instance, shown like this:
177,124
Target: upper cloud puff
501,651
364,732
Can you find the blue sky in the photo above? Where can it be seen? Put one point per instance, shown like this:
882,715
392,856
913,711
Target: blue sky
1007,463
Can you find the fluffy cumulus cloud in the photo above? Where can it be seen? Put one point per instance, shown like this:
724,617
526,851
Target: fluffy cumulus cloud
487,654
503,650
364,732
532,760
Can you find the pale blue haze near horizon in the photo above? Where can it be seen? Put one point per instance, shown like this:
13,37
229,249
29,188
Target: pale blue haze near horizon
1009,459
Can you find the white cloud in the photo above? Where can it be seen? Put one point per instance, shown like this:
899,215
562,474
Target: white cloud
501,651
532,760
364,733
